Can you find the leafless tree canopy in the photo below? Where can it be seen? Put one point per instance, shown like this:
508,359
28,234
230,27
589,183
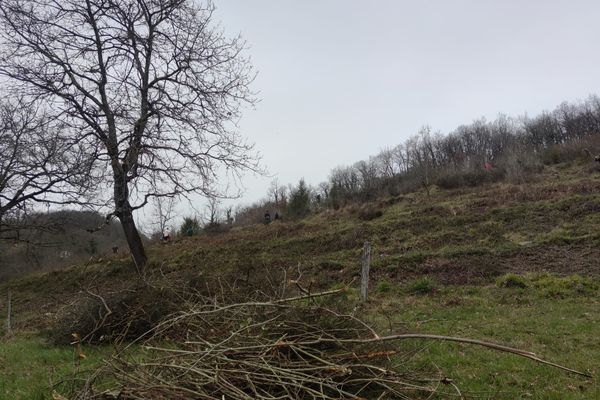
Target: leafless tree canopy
38,162
153,84
509,146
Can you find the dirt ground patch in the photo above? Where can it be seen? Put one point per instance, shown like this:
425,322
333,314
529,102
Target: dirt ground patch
482,269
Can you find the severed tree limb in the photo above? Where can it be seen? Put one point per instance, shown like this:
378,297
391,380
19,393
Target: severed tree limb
498,347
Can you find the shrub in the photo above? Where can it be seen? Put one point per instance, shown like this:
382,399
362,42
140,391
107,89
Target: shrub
512,281
563,287
216,227
450,181
331,264
369,212
553,155
384,286
299,204
521,166
473,177
423,285
190,226
563,153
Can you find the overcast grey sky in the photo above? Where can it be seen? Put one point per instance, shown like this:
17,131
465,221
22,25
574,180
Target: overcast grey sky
341,79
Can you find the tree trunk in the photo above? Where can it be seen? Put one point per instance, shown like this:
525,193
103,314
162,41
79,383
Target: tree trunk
124,212
134,240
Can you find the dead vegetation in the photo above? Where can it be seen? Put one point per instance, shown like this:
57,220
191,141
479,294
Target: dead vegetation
304,346
113,317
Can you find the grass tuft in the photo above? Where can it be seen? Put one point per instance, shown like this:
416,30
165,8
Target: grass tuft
564,287
512,281
422,286
384,286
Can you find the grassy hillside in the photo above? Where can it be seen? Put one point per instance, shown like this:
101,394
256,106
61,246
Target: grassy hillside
459,236
439,265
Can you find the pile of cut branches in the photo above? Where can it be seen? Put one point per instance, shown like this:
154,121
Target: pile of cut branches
293,348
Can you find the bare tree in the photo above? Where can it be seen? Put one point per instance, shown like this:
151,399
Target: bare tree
163,212
229,215
38,163
277,194
213,212
386,163
153,84
323,190
367,171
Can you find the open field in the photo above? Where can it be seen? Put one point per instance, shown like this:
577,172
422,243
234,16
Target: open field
463,241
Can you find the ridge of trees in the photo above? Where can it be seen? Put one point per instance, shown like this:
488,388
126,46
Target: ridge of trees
482,151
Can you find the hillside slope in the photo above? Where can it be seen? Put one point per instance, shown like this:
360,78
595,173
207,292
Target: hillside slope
459,236
435,260
463,236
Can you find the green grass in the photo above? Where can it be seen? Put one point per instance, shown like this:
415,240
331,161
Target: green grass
421,286
559,330
385,286
562,287
31,369
512,281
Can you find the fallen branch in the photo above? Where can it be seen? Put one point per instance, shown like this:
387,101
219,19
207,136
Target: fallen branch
282,349
495,346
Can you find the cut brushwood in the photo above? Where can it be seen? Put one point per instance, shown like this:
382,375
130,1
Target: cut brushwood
301,347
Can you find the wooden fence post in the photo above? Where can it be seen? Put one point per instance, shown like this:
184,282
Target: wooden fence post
364,275
9,312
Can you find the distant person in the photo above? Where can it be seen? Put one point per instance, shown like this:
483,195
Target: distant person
115,249
167,235
267,217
